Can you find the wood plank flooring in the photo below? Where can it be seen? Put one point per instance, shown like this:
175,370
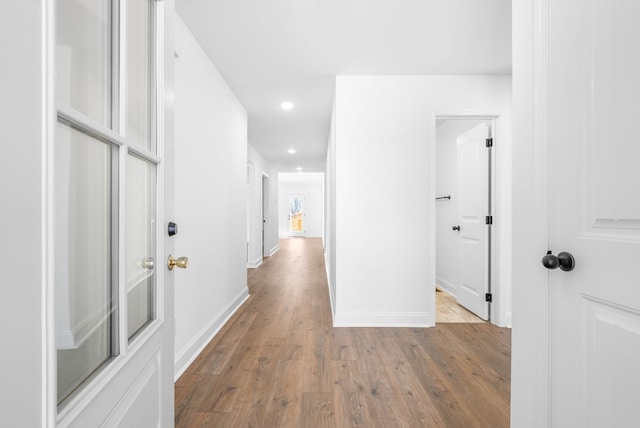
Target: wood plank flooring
279,363
448,310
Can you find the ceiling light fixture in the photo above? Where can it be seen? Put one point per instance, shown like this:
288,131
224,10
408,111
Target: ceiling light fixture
299,168
286,105
291,151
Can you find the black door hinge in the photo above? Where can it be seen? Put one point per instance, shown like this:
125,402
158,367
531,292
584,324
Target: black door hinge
489,142
488,297
488,219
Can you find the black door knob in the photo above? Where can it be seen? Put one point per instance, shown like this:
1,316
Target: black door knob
456,228
564,261
172,228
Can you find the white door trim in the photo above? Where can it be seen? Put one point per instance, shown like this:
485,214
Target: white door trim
49,360
531,370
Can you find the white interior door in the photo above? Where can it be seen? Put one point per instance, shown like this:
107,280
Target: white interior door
295,216
594,214
473,207
113,295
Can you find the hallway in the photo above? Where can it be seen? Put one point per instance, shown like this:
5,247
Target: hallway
278,362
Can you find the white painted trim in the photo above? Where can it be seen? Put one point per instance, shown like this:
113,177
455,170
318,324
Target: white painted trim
274,250
431,256
530,363
49,391
382,319
254,263
189,353
539,308
508,320
332,298
446,286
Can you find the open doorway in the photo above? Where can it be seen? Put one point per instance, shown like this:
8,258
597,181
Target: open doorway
296,217
265,214
464,206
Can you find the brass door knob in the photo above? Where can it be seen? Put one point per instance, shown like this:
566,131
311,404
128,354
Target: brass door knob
180,262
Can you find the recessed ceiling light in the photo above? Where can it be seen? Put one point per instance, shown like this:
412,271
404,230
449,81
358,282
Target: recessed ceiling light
286,105
299,168
291,151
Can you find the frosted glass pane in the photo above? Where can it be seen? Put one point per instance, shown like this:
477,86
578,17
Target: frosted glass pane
83,57
138,73
85,297
140,228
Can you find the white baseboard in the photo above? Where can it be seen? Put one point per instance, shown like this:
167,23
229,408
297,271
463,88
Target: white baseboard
189,353
332,298
381,319
274,250
254,263
447,286
508,320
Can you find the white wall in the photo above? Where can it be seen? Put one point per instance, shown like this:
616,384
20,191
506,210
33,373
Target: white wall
311,186
447,269
384,168
210,199
25,317
258,168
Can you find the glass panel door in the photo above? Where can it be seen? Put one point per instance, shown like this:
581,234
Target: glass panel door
105,203
296,215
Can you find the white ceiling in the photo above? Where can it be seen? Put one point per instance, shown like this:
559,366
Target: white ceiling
304,178
270,51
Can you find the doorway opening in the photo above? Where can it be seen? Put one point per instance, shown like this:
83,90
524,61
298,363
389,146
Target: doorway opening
296,217
464,220
265,213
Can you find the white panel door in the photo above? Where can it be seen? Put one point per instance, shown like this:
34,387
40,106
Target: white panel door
473,207
594,212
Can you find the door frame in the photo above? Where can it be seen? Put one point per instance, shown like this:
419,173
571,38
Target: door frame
496,307
530,364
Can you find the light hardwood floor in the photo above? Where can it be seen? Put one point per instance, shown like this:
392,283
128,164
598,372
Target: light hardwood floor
448,310
279,363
